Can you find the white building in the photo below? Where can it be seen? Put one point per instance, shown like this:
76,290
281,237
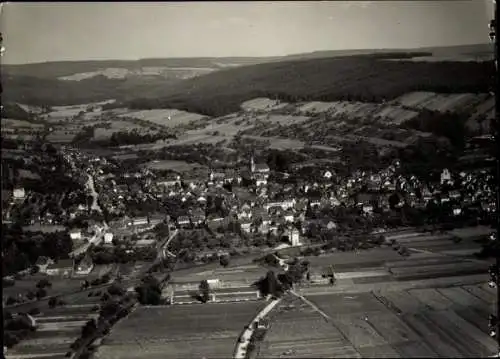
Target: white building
108,238
445,176
75,234
328,175
294,236
19,193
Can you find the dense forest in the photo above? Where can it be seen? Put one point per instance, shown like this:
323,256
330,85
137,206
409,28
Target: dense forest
360,78
374,78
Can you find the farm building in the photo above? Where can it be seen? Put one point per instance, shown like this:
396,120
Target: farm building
19,193
63,267
75,234
108,238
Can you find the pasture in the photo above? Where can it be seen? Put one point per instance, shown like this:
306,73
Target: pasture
164,117
413,323
10,123
61,136
284,120
296,330
185,331
28,283
118,126
178,166
441,102
349,261
262,103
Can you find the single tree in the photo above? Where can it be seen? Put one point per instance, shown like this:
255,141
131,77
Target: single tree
204,291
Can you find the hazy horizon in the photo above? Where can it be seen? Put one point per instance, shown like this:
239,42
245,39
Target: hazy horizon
95,31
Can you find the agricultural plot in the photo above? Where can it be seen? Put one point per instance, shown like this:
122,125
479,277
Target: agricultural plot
354,261
242,275
10,123
166,117
440,102
395,115
178,166
296,330
283,120
61,136
117,126
413,323
186,331
263,103
28,283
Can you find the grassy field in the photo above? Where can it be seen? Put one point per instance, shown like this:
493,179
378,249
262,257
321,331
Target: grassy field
10,123
262,103
187,331
417,322
29,282
297,330
161,117
178,166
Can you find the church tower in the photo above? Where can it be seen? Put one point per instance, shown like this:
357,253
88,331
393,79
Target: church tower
252,164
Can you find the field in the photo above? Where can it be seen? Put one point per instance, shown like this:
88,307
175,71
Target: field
28,283
10,123
285,120
187,331
118,126
442,102
262,103
414,323
178,166
60,136
161,117
296,330
57,328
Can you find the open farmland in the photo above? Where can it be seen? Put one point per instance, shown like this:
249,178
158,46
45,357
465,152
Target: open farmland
10,123
119,126
164,117
296,330
187,331
263,103
178,166
285,120
57,329
413,323
441,102
60,136
28,283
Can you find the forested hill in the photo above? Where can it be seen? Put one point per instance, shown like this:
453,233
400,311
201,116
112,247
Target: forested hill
321,75
371,78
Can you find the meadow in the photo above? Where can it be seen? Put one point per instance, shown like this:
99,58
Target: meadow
184,331
178,166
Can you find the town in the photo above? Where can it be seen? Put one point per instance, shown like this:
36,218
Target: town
316,200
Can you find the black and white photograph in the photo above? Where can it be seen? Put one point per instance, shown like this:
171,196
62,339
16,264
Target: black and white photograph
249,179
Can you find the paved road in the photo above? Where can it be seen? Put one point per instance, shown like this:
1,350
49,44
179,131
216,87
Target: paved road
90,185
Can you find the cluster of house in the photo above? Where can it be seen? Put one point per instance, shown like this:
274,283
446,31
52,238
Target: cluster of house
65,267
270,207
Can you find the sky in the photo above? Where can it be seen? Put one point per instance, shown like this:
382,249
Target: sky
39,32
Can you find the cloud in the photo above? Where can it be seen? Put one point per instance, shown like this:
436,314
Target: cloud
235,20
355,4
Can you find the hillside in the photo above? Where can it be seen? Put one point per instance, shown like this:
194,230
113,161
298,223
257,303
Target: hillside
221,84
365,78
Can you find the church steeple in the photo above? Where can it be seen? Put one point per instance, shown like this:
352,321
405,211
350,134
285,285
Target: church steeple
252,164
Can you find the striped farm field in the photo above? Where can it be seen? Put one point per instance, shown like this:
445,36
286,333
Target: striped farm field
409,323
180,331
298,331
